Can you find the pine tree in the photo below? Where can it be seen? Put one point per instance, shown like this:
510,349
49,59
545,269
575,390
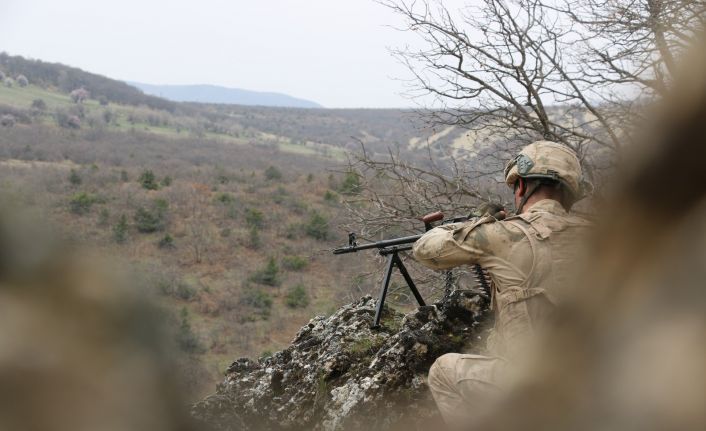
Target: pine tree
148,180
120,230
74,178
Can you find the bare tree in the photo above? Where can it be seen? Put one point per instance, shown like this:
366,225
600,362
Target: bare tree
633,42
79,95
566,70
572,71
511,72
22,80
394,193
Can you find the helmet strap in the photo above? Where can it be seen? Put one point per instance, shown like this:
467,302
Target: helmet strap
530,191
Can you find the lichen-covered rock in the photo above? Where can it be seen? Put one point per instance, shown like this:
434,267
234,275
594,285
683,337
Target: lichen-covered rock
338,373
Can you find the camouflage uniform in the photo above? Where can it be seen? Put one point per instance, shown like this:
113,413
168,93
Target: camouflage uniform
529,259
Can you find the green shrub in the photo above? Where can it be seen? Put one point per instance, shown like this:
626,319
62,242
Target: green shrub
103,217
123,176
148,180
108,116
39,105
222,179
184,291
74,178
148,221
81,203
254,240
259,300
350,184
330,197
297,297
295,263
186,338
267,275
167,241
317,226
272,173
120,230
67,119
254,218
224,198
166,181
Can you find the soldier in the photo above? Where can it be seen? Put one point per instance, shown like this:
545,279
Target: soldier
529,259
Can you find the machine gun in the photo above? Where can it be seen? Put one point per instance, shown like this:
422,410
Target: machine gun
391,248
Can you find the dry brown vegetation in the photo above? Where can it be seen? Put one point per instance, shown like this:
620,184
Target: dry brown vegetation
232,239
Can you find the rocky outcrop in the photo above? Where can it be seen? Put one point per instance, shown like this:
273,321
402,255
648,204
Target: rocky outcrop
338,373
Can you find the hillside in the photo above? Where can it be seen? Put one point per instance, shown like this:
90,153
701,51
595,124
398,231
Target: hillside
225,214
223,95
297,130
66,79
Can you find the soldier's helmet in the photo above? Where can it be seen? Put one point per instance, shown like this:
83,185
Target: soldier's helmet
548,160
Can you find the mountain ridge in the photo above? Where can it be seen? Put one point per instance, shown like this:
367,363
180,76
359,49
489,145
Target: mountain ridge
208,93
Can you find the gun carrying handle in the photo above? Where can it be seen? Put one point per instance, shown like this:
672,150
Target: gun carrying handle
431,218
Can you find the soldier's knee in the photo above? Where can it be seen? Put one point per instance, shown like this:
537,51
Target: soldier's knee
441,373
447,361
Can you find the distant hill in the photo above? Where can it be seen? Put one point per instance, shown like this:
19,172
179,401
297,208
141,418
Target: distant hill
66,78
217,94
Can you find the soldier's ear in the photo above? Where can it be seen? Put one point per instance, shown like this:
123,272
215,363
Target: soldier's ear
520,187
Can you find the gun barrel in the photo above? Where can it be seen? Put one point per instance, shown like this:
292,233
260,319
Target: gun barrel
379,244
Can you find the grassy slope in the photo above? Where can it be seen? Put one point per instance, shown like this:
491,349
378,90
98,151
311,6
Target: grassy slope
22,98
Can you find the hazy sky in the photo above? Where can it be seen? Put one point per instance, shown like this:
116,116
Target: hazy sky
334,52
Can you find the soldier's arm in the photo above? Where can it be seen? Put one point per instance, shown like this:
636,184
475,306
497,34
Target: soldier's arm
450,245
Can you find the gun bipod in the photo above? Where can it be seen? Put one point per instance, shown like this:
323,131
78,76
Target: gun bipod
394,260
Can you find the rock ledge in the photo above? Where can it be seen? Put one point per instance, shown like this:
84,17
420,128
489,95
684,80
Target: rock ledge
338,373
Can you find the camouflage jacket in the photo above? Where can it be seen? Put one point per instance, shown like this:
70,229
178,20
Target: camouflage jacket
529,257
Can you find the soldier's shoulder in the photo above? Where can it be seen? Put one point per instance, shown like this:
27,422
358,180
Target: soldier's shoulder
482,225
484,232
493,227
524,217
569,218
484,221
544,224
